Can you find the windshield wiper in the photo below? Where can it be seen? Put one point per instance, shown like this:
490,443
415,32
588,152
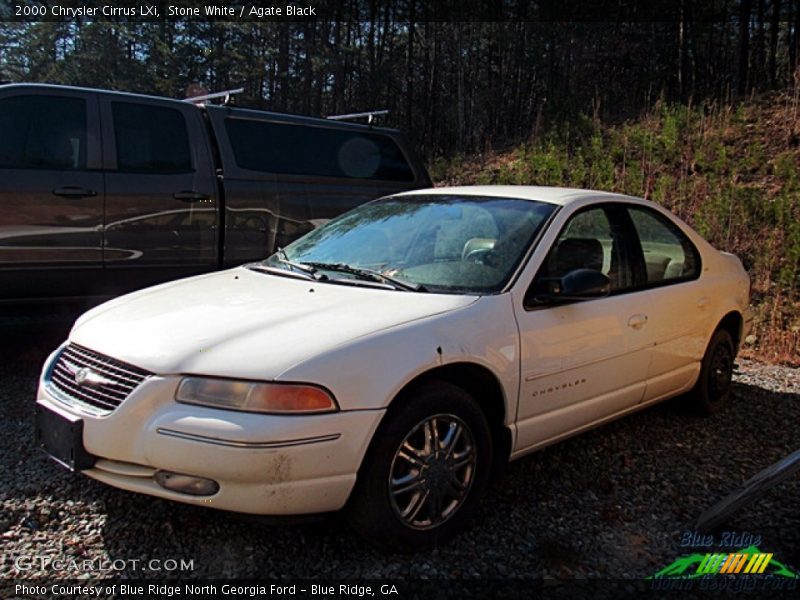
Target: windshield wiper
260,266
364,273
307,267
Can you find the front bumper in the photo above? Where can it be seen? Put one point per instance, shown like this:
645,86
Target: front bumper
264,464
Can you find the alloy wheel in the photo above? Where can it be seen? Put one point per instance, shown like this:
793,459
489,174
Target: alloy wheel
432,471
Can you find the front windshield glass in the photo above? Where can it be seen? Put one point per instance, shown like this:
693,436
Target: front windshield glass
443,243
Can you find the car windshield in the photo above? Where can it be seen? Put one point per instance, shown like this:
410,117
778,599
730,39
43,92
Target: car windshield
437,243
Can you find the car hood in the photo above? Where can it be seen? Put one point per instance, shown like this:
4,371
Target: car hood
246,324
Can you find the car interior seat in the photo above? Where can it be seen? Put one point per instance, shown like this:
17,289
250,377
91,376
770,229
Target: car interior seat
577,253
656,266
674,269
477,247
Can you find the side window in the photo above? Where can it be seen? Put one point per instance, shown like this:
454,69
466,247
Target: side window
43,132
668,253
307,150
588,241
150,139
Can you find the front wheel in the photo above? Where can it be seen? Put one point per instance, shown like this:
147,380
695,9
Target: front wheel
425,471
714,384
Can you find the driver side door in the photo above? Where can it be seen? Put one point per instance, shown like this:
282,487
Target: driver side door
582,361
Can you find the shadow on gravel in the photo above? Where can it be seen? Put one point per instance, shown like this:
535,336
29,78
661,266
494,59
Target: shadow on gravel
613,502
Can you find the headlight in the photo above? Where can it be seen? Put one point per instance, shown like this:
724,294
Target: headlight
253,396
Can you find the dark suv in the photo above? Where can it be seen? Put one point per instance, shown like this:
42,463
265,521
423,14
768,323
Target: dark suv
104,192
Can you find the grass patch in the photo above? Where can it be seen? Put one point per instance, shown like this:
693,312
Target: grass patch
731,172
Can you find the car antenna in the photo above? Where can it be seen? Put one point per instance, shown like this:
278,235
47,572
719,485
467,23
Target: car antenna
368,115
226,95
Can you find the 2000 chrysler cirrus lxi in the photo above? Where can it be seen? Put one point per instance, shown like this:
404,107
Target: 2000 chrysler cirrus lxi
389,361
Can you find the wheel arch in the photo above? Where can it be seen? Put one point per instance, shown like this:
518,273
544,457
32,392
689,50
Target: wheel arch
733,323
485,387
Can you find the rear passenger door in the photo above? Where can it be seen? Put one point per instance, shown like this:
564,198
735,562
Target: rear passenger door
161,218
332,170
669,268
51,193
286,175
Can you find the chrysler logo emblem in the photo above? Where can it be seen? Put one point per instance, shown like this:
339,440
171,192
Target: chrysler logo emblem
85,376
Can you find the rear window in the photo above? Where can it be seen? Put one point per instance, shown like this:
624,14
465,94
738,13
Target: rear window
668,253
150,139
303,150
43,132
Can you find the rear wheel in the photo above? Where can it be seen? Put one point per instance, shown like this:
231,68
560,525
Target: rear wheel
713,386
426,469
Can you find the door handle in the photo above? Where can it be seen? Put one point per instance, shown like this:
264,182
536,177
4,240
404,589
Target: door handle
637,321
73,191
190,196
702,304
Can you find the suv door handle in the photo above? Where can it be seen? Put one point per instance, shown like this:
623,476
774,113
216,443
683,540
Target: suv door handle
190,196
637,321
73,191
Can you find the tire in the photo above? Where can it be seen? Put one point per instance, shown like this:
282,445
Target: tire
713,387
419,498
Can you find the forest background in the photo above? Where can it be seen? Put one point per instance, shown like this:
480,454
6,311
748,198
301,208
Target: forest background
693,104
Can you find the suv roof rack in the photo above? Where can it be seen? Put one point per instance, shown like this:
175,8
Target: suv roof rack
225,94
368,115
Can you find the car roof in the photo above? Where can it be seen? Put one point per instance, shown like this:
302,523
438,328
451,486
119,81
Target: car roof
234,110
553,195
76,88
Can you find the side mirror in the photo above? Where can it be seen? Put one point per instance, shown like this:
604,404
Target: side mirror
580,284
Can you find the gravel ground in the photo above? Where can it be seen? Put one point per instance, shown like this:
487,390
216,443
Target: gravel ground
612,503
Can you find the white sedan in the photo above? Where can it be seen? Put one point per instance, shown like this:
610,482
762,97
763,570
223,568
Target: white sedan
391,360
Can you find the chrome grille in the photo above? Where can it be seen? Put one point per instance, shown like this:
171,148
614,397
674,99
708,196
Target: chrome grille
113,380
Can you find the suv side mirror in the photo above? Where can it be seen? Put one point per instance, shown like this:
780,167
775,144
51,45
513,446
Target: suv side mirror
580,284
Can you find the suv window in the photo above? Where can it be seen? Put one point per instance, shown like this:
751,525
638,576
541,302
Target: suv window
668,253
150,139
588,241
43,132
308,150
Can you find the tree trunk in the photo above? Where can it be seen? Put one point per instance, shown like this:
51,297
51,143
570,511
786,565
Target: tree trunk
773,43
744,47
794,40
758,63
682,51
410,67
